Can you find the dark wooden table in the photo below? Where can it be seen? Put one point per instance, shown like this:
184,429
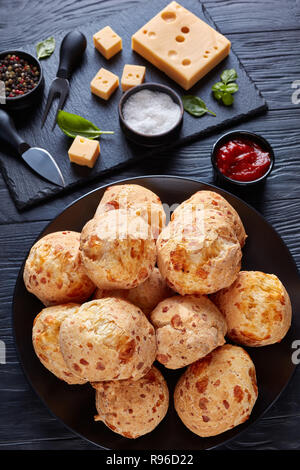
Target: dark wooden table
266,36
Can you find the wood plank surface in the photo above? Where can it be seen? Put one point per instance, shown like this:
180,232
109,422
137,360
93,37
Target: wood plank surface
116,151
233,16
277,52
259,15
25,406
281,127
264,35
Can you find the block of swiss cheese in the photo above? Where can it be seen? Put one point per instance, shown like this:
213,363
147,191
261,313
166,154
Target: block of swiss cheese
180,45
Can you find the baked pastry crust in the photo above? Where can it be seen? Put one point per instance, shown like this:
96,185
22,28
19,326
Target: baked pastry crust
200,254
45,339
109,339
257,309
141,201
217,392
212,200
117,250
133,408
53,271
145,296
187,329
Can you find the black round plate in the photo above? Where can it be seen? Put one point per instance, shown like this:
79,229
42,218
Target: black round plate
74,405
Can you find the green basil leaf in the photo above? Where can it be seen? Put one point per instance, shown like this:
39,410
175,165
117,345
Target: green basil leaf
218,95
228,76
227,99
73,125
219,86
224,90
195,106
231,88
45,48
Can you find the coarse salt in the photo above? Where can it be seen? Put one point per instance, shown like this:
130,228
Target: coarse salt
151,112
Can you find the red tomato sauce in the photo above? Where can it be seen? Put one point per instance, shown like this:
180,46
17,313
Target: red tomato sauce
242,160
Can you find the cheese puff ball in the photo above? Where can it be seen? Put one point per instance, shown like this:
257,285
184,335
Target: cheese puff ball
45,339
117,250
145,296
217,392
138,199
257,309
187,329
109,339
132,408
201,255
53,271
211,200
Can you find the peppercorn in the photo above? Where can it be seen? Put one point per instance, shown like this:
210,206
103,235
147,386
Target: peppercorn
18,75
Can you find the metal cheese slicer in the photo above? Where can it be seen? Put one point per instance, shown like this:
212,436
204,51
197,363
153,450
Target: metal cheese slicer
71,51
38,159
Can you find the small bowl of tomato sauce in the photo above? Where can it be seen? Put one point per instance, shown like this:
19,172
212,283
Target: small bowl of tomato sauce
242,158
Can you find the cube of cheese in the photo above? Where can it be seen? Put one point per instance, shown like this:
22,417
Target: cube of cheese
181,45
104,84
84,151
132,75
107,42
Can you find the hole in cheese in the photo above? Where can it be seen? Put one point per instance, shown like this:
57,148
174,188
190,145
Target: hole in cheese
186,62
145,31
216,47
168,16
137,75
205,56
172,54
179,38
185,29
207,52
151,34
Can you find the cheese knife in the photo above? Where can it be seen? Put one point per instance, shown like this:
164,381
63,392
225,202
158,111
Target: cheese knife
38,159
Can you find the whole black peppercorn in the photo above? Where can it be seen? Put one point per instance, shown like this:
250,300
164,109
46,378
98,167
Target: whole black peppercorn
19,75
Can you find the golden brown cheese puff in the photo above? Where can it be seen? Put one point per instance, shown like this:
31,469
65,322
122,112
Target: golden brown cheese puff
145,296
45,335
117,250
53,270
132,408
257,309
187,329
211,200
138,199
109,339
217,392
200,254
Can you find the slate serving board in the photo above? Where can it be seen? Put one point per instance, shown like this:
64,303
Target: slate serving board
27,189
